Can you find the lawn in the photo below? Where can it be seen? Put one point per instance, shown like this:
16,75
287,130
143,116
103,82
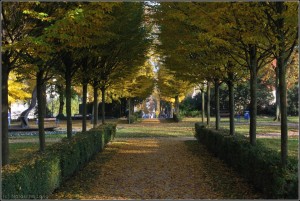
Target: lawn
23,150
28,144
186,129
274,144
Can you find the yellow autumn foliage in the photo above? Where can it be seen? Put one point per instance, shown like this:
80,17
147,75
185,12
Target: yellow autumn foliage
17,90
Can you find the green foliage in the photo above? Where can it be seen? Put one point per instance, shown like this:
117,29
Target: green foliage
191,103
177,117
293,106
139,114
40,175
31,179
258,164
132,118
190,113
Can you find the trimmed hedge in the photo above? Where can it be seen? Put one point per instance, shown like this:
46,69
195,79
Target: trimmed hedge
31,179
258,164
39,176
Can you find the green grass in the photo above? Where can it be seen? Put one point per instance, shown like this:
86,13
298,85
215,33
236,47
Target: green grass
294,119
186,129
274,144
23,150
261,129
51,136
155,130
167,129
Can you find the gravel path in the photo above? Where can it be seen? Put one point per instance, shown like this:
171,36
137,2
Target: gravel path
161,168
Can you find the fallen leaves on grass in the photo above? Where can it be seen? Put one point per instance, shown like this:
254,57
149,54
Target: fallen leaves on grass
155,169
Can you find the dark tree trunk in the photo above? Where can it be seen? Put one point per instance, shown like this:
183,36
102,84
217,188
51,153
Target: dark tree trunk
68,62
171,110
231,103
61,100
68,102
95,122
177,105
277,94
41,98
208,104
132,105
129,110
4,99
203,105
282,83
103,104
217,102
283,108
253,93
84,97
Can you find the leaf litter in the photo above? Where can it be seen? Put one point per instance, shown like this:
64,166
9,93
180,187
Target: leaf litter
155,168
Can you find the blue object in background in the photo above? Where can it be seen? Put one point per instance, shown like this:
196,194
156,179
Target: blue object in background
247,115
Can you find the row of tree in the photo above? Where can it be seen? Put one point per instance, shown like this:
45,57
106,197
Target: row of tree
204,43
104,45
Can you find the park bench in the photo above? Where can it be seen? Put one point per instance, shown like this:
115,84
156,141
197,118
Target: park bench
224,114
50,119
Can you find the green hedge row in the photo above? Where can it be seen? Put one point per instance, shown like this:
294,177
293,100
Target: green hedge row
39,176
258,164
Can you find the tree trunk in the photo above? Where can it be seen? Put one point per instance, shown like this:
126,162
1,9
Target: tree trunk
129,110
4,99
253,93
41,98
208,104
203,105
61,100
231,103
283,109
277,94
217,104
69,65
95,122
84,97
103,104
132,105
68,102
282,84
171,110
157,109
177,105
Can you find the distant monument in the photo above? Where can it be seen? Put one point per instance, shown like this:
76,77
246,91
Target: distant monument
25,113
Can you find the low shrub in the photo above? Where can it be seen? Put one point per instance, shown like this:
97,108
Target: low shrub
133,118
39,176
177,117
138,114
258,164
190,113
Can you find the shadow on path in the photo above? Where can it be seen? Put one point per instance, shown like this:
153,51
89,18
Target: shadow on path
164,168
